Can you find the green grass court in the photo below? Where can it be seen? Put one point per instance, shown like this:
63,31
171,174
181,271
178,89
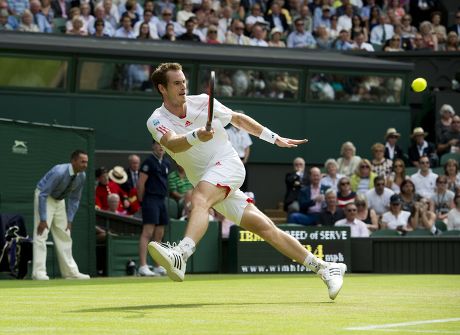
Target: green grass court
233,304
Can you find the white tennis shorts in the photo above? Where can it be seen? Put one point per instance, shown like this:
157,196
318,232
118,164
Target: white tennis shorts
229,174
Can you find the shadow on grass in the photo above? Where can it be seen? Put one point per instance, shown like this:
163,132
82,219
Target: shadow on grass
191,306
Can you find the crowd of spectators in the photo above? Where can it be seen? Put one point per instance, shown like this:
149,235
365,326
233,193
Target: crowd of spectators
379,193
371,25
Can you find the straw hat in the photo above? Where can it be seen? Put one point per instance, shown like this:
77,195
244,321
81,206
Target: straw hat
118,175
392,132
418,131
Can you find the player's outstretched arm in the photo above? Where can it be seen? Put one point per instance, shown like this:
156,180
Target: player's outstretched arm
179,143
253,127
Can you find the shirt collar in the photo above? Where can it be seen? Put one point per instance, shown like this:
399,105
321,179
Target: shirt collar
71,171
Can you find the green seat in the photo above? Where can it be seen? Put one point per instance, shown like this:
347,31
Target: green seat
446,157
419,232
441,225
59,25
385,232
451,233
173,209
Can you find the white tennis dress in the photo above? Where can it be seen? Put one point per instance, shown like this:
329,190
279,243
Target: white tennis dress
214,161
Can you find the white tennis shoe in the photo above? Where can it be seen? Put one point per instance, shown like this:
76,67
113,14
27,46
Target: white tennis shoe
169,257
332,276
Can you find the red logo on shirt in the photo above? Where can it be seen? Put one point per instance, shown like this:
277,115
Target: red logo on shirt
187,123
218,164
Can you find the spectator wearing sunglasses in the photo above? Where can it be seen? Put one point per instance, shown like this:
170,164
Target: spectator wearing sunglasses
424,180
357,227
363,178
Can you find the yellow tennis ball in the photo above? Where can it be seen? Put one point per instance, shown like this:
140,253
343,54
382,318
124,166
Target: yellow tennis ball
419,84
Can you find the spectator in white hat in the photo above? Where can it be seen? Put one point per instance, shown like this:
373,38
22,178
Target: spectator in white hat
420,147
392,150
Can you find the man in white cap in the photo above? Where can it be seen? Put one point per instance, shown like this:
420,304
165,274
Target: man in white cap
420,147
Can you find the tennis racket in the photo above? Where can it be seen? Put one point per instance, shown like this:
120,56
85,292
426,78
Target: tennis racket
212,81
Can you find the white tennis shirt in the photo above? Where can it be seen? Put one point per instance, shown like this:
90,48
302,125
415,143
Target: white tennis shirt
199,157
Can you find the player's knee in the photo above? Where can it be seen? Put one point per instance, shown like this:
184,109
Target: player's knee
199,202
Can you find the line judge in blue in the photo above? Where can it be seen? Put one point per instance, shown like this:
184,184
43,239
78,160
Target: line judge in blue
50,214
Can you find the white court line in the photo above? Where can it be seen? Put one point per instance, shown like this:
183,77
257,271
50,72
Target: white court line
402,324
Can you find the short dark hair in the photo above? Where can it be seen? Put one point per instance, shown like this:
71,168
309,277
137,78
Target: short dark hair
159,75
379,178
100,171
77,154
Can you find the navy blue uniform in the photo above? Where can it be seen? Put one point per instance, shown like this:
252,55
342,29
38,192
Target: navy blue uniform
154,209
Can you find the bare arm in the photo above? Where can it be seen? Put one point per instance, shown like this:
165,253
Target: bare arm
141,185
253,127
178,143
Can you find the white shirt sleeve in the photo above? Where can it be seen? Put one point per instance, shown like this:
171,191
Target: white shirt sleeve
158,127
222,113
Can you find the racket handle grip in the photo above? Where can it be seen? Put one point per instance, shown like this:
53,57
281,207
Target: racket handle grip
208,126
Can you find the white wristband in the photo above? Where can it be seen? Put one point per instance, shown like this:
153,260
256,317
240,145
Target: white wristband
268,135
192,137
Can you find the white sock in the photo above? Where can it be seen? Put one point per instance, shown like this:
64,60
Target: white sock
187,245
313,263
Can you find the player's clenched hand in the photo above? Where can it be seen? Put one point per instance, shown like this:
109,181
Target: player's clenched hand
289,143
205,135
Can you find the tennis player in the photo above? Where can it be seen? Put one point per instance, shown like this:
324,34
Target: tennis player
216,172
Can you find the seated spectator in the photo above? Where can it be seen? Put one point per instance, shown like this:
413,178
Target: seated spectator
311,200
394,44
61,8
343,43
453,218
378,197
451,171
111,13
74,12
178,184
4,25
398,175
421,148
166,19
430,40
366,214
88,19
169,5
106,186
259,33
331,179
294,182
359,27
382,32
397,8
396,218
322,17
126,28
345,4
361,44
456,26
345,20
442,200
170,34
276,18
374,18
300,38
392,150
144,32
113,200
256,16
452,43
365,11
305,15
450,141
345,195
226,20
422,217
407,29
381,166
275,38
357,227
331,213
408,195
424,180
444,125
108,29
99,28
236,34
349,161
42,22
438,28
323,41
150,22
185,13
333,29
77,27
131,7
212,35
363,178
27,23
188,35
419,44
17,8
